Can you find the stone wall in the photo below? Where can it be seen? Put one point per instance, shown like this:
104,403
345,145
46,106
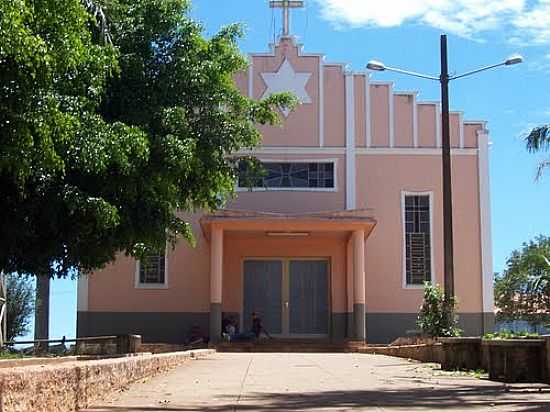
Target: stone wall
75,385
432,353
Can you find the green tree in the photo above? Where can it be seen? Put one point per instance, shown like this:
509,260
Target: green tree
523,289
104,142
537,141
20,305
437,316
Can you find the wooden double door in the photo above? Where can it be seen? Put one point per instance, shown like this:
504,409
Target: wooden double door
291,296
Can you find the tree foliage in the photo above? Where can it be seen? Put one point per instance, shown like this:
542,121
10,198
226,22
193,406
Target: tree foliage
20,305
537,141
105,139
523,289
437,317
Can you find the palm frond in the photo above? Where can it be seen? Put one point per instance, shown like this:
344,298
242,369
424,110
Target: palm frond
541,168
538,139
93,7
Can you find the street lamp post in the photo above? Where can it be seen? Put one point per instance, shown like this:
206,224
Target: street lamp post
444,80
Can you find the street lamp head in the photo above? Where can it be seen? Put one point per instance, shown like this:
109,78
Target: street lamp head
376,66
515,59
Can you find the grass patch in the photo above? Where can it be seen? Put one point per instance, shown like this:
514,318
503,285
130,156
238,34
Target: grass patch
511,335
11,355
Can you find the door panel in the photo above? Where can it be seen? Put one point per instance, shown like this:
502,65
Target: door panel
308,289
263,293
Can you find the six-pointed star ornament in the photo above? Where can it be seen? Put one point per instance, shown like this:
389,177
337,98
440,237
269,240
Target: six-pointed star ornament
287,80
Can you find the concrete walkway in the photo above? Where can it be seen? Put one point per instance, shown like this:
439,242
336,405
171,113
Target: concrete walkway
320,382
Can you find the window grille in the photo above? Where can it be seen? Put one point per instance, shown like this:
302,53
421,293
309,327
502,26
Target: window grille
152,269
417,239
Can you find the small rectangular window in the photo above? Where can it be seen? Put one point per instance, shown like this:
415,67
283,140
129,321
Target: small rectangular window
417,239
292,175
152,270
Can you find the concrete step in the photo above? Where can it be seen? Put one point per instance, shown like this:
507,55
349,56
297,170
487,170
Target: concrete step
290,345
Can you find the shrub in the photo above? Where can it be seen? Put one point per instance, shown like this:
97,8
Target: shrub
437,316
20,305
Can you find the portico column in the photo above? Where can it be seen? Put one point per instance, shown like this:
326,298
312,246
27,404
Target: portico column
359,283
216,281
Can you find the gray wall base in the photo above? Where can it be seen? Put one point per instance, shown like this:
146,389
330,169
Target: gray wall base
386,327
339,325
154,327
215,322
350,325
359,318
175,327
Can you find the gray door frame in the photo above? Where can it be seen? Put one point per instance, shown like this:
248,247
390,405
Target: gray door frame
285,327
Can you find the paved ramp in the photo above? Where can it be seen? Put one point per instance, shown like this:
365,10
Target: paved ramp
320,382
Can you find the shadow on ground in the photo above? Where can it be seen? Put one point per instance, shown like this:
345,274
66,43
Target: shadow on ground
463,397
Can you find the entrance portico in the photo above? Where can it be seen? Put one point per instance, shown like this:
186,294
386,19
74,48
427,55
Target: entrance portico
318,266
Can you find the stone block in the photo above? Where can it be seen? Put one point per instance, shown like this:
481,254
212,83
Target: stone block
461,354
516,360
73,386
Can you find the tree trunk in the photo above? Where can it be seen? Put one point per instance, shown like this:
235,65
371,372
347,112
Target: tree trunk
42,312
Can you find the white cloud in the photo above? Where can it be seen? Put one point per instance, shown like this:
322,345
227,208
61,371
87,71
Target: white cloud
535,22
528,21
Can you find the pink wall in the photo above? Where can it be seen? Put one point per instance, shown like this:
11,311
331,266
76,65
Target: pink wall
113,288
385,177
301,128
426,125
403,104
335,106
454,120
241,81
470,134
380,115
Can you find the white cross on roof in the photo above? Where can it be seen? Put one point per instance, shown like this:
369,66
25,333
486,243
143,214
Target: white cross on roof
286,5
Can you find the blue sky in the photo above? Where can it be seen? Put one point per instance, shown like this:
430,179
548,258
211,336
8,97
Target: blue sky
405,34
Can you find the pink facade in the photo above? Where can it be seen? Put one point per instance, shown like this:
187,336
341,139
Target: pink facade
384,148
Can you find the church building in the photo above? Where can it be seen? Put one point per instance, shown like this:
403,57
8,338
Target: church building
340,235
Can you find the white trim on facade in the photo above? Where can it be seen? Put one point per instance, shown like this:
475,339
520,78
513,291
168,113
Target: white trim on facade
485,223
477,122
409,151
391,115
404,284
415,120
82,293
295,189
292,151
368,125
139,285
251,77
350,142
461,129
321,102
310,150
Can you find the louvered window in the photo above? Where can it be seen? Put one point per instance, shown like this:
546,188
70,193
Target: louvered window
417,239
152,270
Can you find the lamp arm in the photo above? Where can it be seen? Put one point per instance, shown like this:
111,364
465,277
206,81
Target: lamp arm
409,73
460,76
